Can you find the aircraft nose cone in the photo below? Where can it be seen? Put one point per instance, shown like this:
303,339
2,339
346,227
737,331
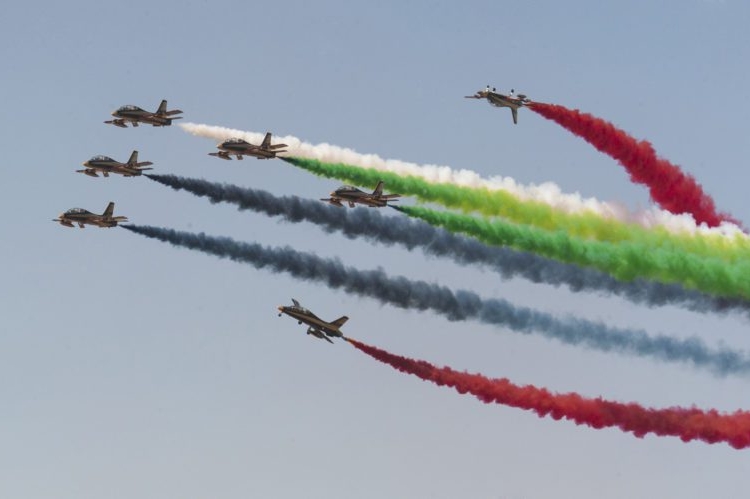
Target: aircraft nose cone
280,308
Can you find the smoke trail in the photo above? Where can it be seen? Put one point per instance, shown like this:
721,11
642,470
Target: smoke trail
410,233
456,306
492,203
669,186
548,192
625,261
686,423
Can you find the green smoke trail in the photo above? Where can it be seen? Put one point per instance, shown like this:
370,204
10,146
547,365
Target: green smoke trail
625,261
487,202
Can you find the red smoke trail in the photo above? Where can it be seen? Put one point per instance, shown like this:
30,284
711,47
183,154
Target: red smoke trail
671,188
688,424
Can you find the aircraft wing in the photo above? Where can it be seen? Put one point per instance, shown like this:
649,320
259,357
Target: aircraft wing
221,155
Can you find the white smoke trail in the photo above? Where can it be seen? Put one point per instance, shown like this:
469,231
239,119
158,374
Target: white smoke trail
548,192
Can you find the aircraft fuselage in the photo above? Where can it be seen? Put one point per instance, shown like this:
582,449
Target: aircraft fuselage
246,149
312,320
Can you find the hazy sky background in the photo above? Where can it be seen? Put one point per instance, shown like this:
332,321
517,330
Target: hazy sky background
133,369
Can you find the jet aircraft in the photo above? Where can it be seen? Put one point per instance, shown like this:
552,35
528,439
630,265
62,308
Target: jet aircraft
107,165
352,195
511,100
240,148
317,326
82,217
135,115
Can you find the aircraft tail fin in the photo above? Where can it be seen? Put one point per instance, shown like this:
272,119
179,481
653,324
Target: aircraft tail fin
378,190
340,321
133,158
515,115
162,111
109,210
266,141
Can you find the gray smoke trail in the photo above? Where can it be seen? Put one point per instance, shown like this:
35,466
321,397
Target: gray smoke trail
456,306
370,224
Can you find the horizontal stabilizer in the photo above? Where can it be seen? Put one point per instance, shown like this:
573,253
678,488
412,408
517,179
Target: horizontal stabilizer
278,146
173,112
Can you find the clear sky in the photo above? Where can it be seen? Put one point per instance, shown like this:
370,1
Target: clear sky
130,368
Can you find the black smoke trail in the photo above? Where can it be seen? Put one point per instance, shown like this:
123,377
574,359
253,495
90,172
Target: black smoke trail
410,233
456,306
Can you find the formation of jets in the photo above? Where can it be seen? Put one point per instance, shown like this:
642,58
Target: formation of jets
107,165
511,100
316,326
352,195
240,147
135,115
82,217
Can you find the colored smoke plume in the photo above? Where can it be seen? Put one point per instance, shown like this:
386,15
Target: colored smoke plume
455,305
686,423
416,234
668,185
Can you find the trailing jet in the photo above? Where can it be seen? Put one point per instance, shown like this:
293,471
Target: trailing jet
511,100
82,217
317,326
135,115
352,195
107,165
240,148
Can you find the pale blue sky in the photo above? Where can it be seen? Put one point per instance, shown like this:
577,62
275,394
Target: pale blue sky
133,369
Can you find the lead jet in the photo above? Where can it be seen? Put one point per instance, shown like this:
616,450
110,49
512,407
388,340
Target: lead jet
81,217
134,115
511,100
352,195
107,165
317,326
240,148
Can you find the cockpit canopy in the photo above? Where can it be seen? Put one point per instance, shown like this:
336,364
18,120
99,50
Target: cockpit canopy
346,188
235,140
130,107
76,211
101,158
